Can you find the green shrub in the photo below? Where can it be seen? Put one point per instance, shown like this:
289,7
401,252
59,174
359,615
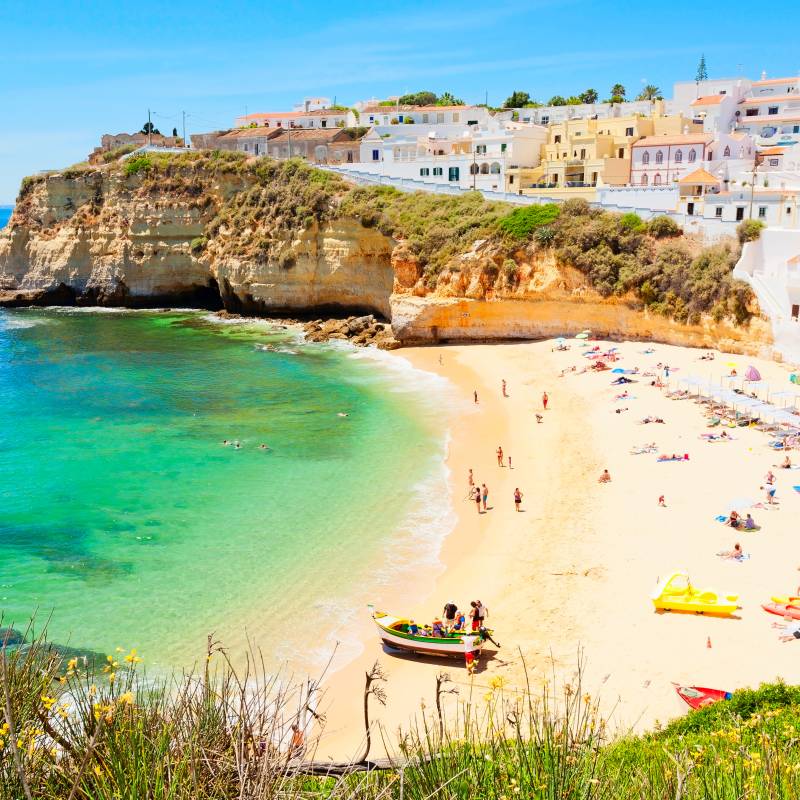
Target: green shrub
544,236
577,207
522,222
631,221
663,226
118,152
137,164
749,230
198,244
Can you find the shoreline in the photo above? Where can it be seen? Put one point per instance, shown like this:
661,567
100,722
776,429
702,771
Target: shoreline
568,581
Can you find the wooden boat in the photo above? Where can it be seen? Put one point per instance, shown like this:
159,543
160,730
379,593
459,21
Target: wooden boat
395,633
700,696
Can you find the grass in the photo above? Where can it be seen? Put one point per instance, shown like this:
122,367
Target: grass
107,732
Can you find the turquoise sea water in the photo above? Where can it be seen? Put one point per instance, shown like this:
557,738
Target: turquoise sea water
125,518
5,213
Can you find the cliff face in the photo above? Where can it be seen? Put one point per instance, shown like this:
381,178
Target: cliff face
103,238
270,242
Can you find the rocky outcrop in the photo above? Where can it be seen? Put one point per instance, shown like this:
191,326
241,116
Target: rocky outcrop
236,239
106,239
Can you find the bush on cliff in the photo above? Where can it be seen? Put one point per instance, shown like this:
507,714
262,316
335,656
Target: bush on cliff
137,164
521,223
749,230
662,227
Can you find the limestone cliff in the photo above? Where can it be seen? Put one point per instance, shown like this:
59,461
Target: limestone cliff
219,231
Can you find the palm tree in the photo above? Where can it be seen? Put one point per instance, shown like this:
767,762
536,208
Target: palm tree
650,92
618,90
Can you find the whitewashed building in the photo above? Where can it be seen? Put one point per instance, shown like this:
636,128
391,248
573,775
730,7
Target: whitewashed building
377,114
317,118
549,115
470,158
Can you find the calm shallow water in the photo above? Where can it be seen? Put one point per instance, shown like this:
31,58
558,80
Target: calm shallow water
125,517
5,213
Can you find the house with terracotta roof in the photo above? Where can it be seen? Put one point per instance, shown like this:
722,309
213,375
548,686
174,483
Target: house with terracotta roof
317,145
313,118
773,121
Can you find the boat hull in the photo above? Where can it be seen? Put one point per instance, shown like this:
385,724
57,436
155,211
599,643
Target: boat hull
453,646
701,696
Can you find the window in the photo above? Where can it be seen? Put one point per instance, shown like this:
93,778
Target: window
739,213
484,168
644,180
557,139
437,171
692,156
772,110
423,171
762,212
796,129
349,157
774,162
621,152
474,169
657,179
452,174
372,118
718,212
495,168
545,119
726,153
399,117
455,116
324,123
710,154
503,147
480,149
751,112
629,131
678,156
440,116
511,179
646,157
659,157
424,119
376,155
583,152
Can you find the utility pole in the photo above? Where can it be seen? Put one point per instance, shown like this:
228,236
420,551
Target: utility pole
752,189
474,165
184,127
149,129
486,102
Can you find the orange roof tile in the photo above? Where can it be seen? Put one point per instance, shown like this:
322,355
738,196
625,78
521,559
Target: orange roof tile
699,176
772,81
771,151
680,138
776,98
709,100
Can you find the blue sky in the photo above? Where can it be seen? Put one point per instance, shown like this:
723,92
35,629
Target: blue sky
74,70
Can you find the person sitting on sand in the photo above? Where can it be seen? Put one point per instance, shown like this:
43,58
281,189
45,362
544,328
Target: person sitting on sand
736,553
539,418
749,523
734,520
787,463
605,477
791,631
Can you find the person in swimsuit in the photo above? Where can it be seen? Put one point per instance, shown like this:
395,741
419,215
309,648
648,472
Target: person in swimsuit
545,398
517,498
504,388
473,616
484,495
500,457
476,496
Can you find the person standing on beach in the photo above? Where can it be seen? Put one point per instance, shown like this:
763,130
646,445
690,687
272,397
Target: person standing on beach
517,498
475,396
500,456
449,615
484,495
471,479
476,496
473,616
483,612
545,398
504,388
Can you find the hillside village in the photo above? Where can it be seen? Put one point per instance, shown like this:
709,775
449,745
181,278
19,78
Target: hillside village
713,154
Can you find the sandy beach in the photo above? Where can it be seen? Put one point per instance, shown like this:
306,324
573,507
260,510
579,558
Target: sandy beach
573,572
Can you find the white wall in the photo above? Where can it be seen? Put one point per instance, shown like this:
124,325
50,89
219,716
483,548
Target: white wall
659,198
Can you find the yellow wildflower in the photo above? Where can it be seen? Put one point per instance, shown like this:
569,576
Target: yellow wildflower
125,699
132,658
72,663
47,702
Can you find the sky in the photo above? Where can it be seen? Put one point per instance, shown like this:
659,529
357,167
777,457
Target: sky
73,70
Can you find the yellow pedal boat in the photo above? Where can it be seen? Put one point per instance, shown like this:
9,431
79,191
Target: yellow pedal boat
676,593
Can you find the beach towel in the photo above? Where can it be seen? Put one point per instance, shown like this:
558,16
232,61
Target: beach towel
796,488
664,459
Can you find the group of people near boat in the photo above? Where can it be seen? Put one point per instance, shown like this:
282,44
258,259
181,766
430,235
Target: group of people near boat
453,620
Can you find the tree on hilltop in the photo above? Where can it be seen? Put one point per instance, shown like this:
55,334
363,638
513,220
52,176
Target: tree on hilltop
557,100
650,92
448,99
148,127
589,96
418,99
517,100
702,72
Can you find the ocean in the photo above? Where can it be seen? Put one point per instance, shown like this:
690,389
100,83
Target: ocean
5,214
127,523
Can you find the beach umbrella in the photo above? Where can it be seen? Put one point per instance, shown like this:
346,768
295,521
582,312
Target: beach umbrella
583,335
587,331
752,374
618,370
560,340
